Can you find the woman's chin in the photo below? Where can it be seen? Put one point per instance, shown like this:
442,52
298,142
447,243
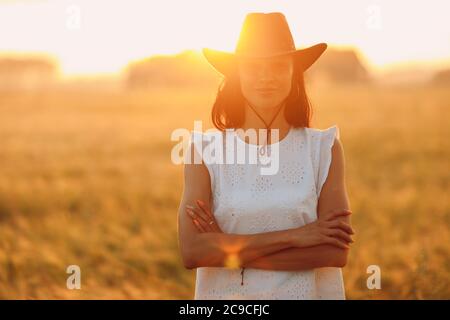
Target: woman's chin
266,103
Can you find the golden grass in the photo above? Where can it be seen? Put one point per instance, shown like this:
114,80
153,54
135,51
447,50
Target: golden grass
86,179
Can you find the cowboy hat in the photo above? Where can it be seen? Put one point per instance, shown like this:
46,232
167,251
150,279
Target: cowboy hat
264,35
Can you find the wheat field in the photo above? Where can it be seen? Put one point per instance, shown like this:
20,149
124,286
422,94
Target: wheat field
86,178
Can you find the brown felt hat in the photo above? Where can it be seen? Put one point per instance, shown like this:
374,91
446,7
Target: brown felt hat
264,35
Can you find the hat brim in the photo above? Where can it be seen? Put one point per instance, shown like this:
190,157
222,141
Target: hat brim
225,62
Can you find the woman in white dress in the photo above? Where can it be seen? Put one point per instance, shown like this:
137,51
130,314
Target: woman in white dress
285,234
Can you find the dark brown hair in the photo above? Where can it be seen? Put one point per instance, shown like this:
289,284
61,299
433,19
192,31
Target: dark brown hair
229,107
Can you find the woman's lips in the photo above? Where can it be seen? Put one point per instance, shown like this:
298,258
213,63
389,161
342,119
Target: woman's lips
266,91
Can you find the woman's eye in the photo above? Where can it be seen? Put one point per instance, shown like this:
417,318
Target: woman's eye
274,66
250,68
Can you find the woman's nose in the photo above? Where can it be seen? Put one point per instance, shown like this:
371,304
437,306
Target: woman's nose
265,73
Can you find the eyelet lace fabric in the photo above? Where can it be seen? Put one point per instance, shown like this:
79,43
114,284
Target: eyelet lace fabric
248,202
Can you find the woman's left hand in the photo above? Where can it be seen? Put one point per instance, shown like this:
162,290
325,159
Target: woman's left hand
202,217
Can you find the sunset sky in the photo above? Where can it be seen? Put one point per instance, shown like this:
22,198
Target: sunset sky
96,36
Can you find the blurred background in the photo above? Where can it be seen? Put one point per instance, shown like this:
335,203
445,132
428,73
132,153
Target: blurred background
90,92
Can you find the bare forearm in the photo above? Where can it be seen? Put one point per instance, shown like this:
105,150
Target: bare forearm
301,258
222,249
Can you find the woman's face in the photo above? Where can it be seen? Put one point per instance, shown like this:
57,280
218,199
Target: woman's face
259,74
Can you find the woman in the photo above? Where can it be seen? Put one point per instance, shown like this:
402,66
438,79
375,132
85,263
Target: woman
278,236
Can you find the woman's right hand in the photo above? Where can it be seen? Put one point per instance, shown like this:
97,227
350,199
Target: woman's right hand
327,230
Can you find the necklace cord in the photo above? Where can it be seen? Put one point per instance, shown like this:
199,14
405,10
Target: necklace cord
267,125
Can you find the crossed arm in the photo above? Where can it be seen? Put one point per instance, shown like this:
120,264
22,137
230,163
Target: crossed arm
270,250
333,196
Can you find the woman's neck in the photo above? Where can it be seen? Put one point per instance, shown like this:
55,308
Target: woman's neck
252,121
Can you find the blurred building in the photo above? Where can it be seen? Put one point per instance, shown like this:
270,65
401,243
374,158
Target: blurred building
338,67
188,68
441,78
19,73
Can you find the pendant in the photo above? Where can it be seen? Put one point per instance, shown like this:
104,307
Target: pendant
262,150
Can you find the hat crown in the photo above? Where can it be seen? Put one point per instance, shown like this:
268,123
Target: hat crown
265,34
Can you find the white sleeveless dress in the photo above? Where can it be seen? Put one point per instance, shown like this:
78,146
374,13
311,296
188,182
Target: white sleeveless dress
245,201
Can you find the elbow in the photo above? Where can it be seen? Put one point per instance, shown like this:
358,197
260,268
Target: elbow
188,258
340,258
189,263
189,254
198,253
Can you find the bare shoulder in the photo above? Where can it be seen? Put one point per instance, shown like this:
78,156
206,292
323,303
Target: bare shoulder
195,168
334,192
336,174
338,149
